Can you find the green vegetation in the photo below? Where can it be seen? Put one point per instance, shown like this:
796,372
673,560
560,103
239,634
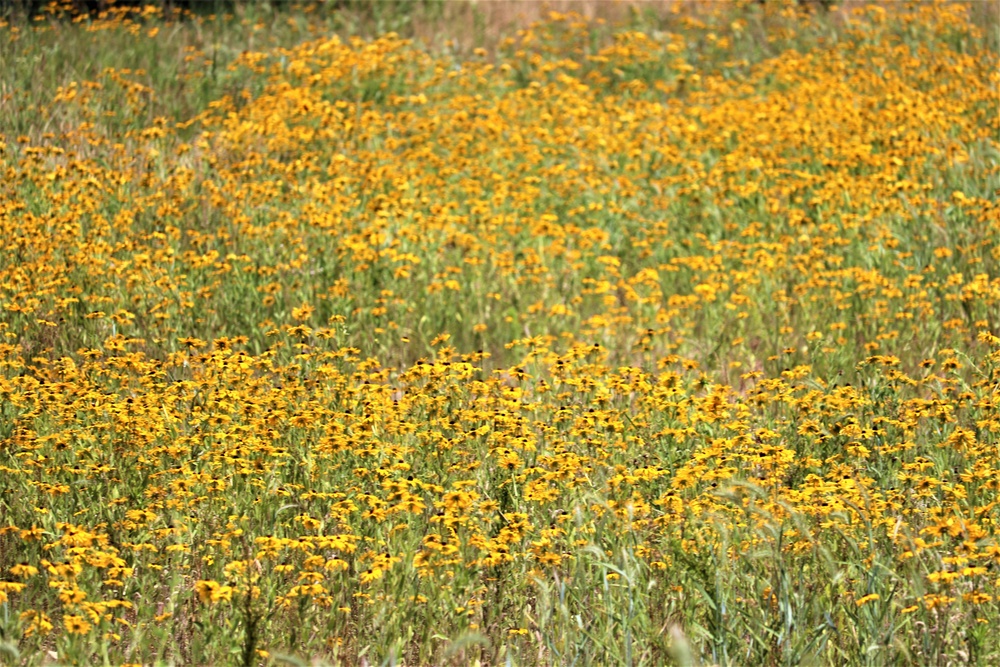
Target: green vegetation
656,337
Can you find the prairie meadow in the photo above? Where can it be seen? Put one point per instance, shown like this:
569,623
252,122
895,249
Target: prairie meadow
665,336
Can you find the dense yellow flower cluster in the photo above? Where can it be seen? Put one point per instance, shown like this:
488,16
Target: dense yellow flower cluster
389,348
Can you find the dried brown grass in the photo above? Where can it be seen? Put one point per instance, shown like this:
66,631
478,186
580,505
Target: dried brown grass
483,23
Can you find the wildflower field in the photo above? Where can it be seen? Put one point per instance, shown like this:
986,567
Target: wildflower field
673,339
